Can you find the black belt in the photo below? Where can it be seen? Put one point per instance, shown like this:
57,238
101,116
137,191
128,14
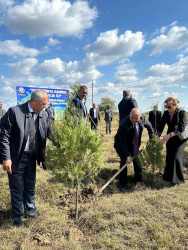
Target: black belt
27,152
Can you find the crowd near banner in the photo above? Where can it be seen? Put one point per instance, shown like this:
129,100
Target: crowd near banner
57,96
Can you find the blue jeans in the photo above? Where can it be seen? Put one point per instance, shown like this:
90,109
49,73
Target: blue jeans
22,188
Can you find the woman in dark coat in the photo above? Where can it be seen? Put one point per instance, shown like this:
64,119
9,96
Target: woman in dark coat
176,122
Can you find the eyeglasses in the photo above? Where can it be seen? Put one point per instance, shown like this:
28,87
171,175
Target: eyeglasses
168,107
43,103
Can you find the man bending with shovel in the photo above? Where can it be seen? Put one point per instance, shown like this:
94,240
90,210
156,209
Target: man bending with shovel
127,143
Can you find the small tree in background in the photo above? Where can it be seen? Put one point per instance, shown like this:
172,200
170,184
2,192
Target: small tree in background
153,156
73,92
75,151
105,101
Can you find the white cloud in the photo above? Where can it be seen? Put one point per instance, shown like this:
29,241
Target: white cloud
15,48
6,93
175,38
26,80
8,89
4,5
77,75
23,67
52,41
126,73
157,78
108,89
177,72
40,18
110,47
71,72
53,66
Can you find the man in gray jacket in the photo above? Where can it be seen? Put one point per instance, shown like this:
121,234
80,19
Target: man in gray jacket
2,111
23,133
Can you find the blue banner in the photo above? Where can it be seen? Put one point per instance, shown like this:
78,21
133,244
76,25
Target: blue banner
57,96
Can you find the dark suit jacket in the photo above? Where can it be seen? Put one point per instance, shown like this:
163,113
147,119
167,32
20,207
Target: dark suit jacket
125,107
14,133
91,112
177,123
79,105
155,119
125,135
51,113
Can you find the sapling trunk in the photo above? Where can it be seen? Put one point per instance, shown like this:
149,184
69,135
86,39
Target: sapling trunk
153,174
76,209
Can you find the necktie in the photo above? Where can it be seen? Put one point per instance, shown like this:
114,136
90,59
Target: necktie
32,132
135,141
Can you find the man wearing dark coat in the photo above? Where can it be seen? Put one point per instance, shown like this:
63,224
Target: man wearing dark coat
127,143
94,116
126,104
51,113
79,101
155,118
23,135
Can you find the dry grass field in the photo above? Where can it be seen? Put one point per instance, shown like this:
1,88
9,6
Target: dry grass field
142,218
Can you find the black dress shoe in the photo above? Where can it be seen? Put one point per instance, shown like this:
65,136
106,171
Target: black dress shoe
19,223
123,189
172,184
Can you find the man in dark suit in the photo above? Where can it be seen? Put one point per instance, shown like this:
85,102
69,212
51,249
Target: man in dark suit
94,116
24,130
127,143
155,116
126,104
79,101
51,113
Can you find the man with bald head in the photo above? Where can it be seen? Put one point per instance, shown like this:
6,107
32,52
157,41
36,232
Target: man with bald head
127,143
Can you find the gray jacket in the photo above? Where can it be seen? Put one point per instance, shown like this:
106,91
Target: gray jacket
108,115
14,133
2,113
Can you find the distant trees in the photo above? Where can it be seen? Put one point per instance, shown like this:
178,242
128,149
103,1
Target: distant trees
105,101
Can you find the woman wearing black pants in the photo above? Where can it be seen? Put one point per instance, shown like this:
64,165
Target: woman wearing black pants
176,122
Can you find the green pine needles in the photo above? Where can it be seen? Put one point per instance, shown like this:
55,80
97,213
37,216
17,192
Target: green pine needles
76,150
153,157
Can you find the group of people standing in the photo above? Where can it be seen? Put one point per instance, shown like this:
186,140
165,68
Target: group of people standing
128,137
131,125
24,130
94,114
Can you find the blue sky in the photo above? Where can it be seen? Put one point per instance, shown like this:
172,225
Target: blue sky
134,44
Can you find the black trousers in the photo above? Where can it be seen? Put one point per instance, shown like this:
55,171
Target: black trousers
94,123
137,171
22,188
173,171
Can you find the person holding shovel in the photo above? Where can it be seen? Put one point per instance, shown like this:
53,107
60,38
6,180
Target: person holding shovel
94,116
127,143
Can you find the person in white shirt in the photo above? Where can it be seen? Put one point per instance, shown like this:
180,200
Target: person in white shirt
94,116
